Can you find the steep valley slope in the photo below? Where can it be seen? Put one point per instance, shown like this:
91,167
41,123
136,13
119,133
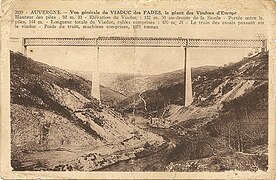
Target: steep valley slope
225,128
211,89
57,125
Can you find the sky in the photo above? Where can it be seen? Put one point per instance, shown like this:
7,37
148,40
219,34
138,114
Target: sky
139,60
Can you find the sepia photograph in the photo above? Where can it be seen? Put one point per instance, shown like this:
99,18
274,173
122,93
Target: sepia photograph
137,87
144,115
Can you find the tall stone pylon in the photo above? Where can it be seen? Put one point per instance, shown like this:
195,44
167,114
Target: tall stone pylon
264,48
25,51
24,48
95,90
188,80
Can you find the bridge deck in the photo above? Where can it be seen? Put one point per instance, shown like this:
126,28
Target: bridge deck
146,42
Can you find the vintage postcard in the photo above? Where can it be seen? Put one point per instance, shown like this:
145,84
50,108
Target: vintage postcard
138,89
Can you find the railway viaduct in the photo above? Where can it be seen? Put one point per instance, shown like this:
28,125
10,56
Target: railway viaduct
145,42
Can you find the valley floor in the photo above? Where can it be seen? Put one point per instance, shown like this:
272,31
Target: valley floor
154,162
135,155
163,159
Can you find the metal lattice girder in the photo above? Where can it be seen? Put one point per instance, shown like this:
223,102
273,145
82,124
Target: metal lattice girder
59,41
227,43
141,41
146,42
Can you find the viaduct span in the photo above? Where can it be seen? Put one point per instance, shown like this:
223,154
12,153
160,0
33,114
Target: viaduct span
145,42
